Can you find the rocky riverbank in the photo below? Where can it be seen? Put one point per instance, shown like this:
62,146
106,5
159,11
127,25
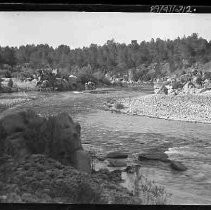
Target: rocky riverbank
192,108
42,161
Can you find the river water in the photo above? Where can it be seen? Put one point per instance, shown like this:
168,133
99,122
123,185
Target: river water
187,142
104,131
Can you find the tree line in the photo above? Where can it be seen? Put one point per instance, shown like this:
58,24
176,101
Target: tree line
113,57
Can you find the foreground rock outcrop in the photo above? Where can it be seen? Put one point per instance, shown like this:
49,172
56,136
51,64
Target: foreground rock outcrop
24,133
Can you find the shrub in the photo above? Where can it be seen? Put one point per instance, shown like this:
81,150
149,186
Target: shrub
119,106
98,75
86,77
149,192
8,74
10,83
106,81
152,193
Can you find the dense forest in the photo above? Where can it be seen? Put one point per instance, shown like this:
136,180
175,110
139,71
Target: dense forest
112,57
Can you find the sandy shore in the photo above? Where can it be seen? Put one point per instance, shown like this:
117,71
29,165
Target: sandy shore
192,108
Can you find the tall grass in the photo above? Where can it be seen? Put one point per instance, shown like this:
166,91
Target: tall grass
149,191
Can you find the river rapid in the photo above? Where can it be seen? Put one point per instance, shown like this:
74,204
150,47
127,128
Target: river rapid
104,131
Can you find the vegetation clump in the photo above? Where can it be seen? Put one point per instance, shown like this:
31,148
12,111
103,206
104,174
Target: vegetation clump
118,105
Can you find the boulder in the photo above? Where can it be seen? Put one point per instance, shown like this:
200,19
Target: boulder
117,155
176,165
25,133
116,163
159,156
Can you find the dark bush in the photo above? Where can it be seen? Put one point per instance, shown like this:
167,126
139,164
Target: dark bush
8,74
10,83
86,77
119,106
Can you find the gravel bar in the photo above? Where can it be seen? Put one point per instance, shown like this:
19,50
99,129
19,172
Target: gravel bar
192,108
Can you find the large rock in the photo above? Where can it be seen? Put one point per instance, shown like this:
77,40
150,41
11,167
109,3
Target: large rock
159,156
24,133
116,155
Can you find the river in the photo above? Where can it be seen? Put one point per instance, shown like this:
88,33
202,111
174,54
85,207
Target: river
104,131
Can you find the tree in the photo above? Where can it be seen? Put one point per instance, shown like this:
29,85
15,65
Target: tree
10,83
8,56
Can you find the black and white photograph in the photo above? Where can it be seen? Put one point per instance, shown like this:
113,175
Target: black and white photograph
105,107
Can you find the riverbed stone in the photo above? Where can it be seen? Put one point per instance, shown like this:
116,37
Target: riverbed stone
159,156
178,166
116,163
117,155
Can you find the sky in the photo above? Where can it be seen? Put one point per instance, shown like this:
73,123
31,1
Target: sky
80,29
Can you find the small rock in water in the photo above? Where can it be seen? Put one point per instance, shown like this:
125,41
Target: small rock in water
116,163
117,155
159,156
176,165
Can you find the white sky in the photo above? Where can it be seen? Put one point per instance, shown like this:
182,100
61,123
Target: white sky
78,29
